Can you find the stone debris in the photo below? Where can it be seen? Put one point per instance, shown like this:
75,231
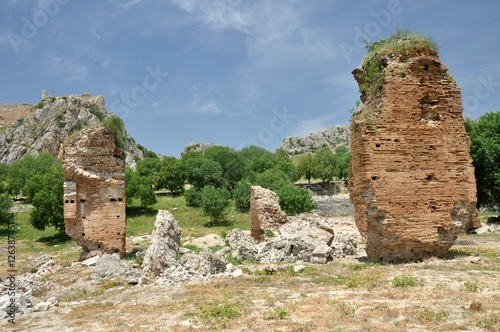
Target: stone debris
94,191
302,239
265,212
411,178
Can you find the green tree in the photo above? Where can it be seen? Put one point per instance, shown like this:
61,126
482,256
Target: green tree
294,200
4,172
342,165
272,179
308,166
193,197
231,163
149,168
172,175
22,171
47,199
326,164
203,172
5,205
214,202
241,195
485,152
138,187
256,160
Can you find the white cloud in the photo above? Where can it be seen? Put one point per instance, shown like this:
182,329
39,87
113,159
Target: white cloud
62,66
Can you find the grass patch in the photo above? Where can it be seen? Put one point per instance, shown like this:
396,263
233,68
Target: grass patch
407,281
218,315
277,313
432,315
473,286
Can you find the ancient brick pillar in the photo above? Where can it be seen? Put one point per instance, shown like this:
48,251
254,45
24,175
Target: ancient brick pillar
94,191
411,178
265,212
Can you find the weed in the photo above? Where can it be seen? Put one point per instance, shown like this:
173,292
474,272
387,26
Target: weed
432,315
346,309
270,233
407,281
473,286
490,322
277,313
218,315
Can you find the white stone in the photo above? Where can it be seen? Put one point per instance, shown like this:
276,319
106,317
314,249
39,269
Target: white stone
91,261
42,306
237,273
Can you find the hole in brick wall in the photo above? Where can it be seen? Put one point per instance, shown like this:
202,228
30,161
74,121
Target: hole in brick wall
83,217
82,200
72,201
112,200
430,177
374,178
432,207
426,67
118,233
430,115
66,201
120,199
377,145
83,234
396,140
118,216
99,246
432,147
117,251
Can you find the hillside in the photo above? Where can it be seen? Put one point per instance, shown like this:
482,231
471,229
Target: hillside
333,137
44,127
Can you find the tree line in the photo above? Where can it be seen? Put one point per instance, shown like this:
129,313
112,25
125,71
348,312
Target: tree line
221,176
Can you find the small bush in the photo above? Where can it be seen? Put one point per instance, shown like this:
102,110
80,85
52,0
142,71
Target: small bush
407,281
277,313
40,104
193,197
473,286
219,314
432,315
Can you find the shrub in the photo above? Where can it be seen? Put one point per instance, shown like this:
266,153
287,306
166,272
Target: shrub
193,197
294,200
407,281
115,125
5,204
214,202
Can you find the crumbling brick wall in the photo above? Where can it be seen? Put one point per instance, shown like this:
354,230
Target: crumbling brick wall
265,212
411,178
94,191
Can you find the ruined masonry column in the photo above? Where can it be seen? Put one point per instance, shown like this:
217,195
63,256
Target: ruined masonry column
411,178
94,191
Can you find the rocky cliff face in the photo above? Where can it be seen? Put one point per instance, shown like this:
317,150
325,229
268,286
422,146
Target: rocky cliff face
411,178
32,129
333,137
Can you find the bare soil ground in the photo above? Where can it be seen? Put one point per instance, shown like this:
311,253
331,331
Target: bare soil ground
459,293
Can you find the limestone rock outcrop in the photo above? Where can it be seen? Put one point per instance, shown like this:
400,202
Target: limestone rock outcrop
44,127
165,242
94,191
411,178
333,137
265,212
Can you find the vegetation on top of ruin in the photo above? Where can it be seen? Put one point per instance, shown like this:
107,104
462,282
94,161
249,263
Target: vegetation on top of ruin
117,127
371,76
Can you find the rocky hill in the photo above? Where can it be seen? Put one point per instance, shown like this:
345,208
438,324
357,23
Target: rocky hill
333,137
44,127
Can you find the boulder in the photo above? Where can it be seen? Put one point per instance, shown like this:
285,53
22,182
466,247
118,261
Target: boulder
164,247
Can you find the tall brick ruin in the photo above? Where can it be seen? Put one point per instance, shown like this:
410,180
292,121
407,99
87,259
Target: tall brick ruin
411,178
94,191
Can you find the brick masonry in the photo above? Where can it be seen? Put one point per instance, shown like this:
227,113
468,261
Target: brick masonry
411,178
94,191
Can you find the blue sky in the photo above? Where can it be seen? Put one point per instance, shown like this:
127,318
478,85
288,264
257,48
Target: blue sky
231,72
